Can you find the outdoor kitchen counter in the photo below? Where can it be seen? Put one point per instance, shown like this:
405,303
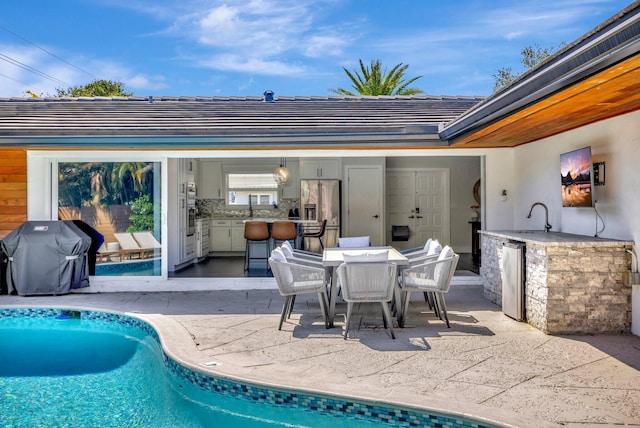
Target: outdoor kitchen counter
574,284
553,238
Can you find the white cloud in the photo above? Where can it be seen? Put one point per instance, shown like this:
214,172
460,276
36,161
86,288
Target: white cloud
320,46
230,62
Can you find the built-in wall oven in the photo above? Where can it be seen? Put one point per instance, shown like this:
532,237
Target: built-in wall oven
191,208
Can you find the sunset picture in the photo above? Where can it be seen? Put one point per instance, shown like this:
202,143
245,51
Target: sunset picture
575,171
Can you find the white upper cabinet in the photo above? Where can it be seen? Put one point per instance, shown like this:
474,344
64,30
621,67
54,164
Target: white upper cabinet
320,168
210,181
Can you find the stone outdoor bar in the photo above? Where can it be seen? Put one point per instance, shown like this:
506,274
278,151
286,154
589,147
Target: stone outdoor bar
574,284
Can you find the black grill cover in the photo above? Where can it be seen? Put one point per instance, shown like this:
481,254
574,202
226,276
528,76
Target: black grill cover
46,257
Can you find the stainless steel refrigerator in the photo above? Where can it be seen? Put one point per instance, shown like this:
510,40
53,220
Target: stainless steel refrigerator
319,200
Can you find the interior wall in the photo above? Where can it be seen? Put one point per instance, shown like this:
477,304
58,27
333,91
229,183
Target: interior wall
614,141
464,172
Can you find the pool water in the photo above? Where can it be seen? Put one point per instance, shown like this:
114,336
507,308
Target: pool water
66,368
151,267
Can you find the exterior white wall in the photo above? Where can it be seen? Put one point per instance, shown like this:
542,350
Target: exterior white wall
614,141
499,175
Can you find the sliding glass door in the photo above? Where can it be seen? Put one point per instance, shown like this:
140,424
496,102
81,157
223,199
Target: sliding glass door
121,202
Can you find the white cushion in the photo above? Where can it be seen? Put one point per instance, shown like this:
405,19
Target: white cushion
368,257
354,241
434,248
287,245
427,244
286,251
446,252
278,255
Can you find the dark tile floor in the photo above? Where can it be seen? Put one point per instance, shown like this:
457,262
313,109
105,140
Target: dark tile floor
233,267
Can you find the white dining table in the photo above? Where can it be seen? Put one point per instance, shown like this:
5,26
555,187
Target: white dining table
334,257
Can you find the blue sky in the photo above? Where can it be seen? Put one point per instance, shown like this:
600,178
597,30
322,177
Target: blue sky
293,47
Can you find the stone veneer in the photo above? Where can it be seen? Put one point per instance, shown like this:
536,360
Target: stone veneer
574,284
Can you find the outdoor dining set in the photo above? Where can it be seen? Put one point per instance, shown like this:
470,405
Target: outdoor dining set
356,272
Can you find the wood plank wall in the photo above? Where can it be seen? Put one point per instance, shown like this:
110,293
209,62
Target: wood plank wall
13,189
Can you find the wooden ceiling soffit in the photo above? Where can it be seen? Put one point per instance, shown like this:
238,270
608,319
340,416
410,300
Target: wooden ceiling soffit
610,93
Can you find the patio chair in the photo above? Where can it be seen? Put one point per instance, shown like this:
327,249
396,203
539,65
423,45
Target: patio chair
430,251
366,282
431,247
354,241
300,257
432,276
315,232
302,254
294,278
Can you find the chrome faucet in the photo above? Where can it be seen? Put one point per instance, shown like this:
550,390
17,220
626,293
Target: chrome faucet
547,226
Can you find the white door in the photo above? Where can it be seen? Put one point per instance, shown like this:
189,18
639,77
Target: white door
418,199
364,203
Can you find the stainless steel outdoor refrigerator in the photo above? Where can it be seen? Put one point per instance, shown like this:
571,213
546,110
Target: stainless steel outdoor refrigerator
319,200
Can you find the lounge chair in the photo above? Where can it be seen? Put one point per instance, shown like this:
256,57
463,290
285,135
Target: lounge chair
148,243
107,250
129,247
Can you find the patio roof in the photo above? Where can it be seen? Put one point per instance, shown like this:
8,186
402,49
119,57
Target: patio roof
225,122
595,78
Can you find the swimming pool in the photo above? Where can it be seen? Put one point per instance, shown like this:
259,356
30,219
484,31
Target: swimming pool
87,368
149,267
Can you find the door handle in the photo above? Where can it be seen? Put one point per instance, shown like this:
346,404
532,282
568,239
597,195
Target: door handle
412,216
376,216
418,216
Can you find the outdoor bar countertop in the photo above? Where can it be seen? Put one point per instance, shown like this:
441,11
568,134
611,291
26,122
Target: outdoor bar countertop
553,238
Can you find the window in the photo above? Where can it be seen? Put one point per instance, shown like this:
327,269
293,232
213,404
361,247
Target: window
256,189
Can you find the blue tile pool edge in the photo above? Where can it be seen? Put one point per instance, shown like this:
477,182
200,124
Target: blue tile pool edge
329,405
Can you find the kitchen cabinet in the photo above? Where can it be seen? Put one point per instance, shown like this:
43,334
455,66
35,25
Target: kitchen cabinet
220,235
182,249
237,235
321,168
227,235
202,237
210,180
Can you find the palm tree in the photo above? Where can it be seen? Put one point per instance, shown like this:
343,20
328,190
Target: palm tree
375,81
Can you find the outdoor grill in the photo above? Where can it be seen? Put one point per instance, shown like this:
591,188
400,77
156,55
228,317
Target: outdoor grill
46,257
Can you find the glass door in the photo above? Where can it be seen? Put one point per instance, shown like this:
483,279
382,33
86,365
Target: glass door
121,201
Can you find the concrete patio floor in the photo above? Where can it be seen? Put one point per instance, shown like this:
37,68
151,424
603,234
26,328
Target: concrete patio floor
485,365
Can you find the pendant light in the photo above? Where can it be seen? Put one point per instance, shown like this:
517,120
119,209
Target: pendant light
281,175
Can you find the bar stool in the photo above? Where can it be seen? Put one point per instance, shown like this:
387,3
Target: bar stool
255,231
284,231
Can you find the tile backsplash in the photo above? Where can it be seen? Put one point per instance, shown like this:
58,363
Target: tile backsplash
216,208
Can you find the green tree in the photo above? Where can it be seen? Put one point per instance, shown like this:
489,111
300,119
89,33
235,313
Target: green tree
531,57
142,215
97,88
103,183
376,81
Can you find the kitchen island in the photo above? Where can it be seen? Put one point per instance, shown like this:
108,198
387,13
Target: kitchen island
573,283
